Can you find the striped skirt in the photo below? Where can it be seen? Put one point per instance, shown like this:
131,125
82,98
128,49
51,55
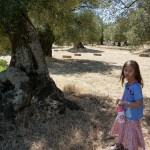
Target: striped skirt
129,134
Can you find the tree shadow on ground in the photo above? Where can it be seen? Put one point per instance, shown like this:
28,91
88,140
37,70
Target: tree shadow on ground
71,66
83,50
73,130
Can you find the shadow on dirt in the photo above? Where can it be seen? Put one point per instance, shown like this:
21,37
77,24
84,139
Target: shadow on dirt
71,66
83,50
73,130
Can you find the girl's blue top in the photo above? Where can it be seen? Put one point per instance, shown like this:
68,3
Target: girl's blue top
132,93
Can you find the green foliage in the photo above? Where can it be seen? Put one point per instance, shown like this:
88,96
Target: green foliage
116,32
70,21
5,43
107,35
119,30
84,27
139,23
136,14
10,11
3,65
46,33
62,17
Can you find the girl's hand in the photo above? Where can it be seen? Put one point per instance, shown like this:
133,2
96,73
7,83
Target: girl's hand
117,101
120,103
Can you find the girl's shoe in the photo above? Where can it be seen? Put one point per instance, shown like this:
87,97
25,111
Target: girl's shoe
117,146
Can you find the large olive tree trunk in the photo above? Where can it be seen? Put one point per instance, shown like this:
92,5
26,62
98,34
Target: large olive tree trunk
27,78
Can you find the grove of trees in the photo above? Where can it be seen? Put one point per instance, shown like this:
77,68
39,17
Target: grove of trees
131,25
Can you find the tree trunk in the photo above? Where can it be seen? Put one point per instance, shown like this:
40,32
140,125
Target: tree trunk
119,44
102,38
47,39
125,43
102,41
114,44
46,47
27,78
79,45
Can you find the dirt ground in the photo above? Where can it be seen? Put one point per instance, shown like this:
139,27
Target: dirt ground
93,82
96,74
99,75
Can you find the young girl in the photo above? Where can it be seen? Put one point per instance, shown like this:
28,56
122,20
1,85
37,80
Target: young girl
130,133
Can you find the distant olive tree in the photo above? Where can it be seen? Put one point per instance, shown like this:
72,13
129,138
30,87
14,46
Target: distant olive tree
139,24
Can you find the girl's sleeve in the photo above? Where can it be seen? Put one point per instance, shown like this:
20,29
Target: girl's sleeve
138,92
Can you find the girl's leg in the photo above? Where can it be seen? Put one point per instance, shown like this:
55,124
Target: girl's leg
140,135
131,135
121,133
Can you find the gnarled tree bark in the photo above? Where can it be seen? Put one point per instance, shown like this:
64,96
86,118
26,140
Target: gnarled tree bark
27,78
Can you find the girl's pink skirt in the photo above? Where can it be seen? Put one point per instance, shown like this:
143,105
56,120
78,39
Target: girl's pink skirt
129,134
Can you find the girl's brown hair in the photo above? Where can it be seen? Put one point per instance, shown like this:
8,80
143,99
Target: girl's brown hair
136,68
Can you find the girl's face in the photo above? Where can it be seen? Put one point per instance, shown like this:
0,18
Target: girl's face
129,73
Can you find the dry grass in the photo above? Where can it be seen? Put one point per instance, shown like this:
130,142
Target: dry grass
71,89
74,130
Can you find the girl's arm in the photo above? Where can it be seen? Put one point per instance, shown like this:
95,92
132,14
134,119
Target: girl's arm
137,103
117,100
